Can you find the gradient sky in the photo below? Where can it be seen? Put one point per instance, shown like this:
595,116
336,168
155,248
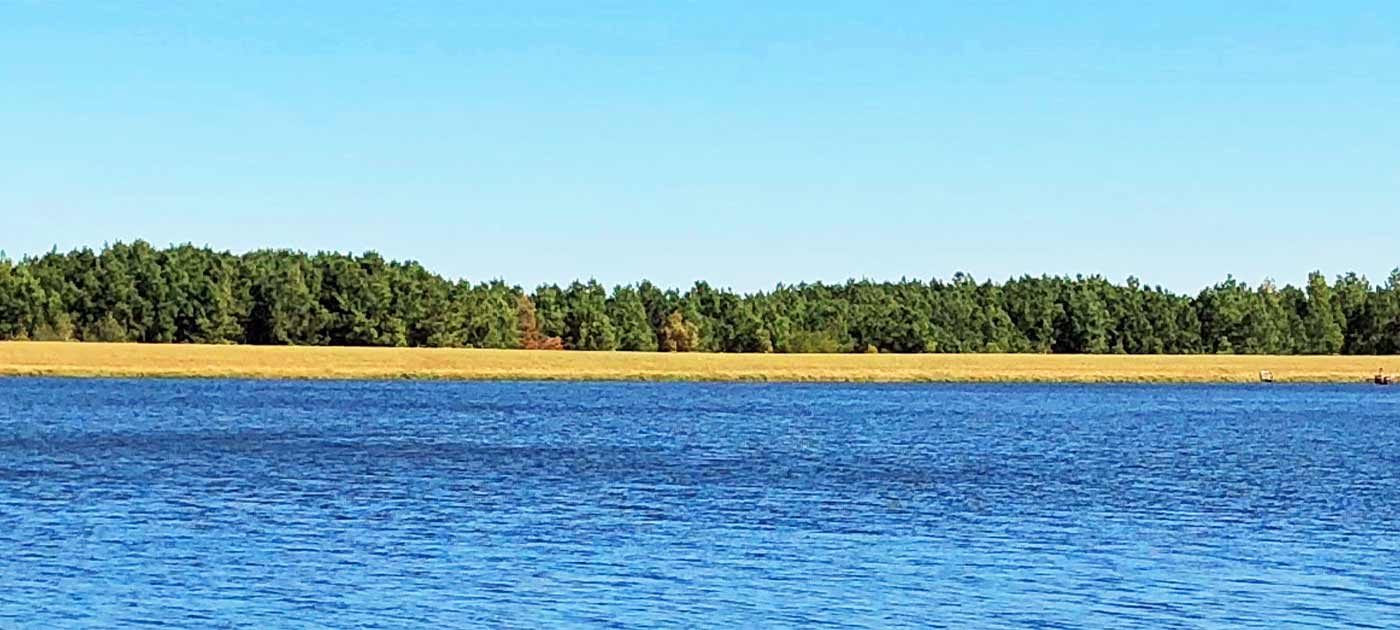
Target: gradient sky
739,142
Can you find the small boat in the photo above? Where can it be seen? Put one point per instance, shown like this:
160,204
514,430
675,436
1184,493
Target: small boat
1266,376
1382,378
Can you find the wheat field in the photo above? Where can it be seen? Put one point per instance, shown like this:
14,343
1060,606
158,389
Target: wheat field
139,360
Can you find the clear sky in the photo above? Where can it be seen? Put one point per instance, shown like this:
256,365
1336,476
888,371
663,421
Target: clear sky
746,143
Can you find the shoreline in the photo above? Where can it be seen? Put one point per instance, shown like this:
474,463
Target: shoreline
128,360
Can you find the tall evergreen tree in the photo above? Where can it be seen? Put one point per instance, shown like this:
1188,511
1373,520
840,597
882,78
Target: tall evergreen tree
1085,323
629,317
586,324
1322,330
551,309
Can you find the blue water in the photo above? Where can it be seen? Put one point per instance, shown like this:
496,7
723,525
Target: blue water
239,504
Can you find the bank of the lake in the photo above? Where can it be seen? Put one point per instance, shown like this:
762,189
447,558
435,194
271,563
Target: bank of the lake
142,360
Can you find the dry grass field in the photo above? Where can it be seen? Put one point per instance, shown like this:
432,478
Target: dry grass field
131,360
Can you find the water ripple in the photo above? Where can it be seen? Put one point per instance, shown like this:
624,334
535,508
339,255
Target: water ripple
231,504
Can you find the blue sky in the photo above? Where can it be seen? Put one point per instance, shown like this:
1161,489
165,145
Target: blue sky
743,143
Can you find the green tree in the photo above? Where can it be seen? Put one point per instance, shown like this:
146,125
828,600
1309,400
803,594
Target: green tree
202,295
630,319
14,310
1085,324
284,309
152,316
1034,308
586,323
1353,305
551,309
492,315
1320,319
1386,312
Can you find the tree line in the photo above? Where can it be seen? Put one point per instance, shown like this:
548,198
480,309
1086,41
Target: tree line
186,294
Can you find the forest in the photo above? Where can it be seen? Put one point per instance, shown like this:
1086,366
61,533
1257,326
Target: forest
187,294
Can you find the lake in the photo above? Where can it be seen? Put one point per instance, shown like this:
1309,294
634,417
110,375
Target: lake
267,504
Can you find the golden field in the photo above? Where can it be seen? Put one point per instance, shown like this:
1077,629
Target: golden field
139,360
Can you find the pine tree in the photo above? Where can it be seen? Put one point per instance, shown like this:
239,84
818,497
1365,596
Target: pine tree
1322,330
629,317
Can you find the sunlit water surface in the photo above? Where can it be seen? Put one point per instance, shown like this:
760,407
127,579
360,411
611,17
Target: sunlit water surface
242,504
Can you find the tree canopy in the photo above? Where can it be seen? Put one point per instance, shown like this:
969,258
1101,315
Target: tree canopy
185,294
